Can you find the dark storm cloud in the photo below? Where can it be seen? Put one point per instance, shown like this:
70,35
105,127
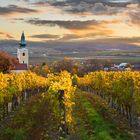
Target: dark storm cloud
64,24
12,9
45,36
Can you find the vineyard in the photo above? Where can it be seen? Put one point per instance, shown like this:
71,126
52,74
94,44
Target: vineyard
69,107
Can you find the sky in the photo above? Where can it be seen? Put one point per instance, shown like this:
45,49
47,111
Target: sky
70,20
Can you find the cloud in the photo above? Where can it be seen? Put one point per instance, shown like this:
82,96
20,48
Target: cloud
68,37
6,35
45,36
9,36
23,0
135,17
96,8
65,37
88,6
12,9
69,24
19,19
92,35
118,3
125,40
76,29
133,12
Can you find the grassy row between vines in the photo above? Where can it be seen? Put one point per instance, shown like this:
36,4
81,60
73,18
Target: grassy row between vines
91,122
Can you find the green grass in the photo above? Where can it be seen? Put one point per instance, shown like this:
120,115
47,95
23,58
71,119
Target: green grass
92,126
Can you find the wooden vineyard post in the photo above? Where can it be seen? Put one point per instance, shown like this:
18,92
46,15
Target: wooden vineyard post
132,115
25,95
63,127
9,107
14,102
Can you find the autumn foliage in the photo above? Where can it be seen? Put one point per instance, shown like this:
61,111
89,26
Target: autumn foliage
6,62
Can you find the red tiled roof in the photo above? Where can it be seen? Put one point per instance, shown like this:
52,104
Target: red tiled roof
20,67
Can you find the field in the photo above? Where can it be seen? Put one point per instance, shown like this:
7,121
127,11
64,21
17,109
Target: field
116,60
116,56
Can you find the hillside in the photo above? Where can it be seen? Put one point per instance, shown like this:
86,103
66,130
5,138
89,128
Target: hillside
77,50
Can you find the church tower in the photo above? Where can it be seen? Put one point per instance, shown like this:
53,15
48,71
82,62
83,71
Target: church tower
22,51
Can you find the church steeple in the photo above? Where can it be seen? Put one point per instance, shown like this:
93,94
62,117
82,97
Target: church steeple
22,51
22,41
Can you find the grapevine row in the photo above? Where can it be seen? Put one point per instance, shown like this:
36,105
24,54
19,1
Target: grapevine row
120,89
18,84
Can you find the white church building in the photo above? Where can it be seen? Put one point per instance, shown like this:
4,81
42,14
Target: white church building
22,56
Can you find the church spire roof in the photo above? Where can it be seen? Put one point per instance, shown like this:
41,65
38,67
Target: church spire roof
22,41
